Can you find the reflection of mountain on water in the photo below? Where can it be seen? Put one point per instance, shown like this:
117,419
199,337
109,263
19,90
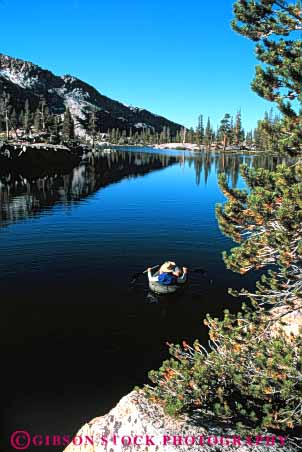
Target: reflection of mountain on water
21,198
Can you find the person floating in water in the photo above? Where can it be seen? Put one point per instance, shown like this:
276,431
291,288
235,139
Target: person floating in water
169,274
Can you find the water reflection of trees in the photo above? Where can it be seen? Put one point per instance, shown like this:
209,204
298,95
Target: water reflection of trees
229,163
21,197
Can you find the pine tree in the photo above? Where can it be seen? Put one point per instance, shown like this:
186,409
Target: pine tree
268,133
273,25
190,135
225,130
37,120
231,134
117,135
21,118
5,110
47,118
124,137
184,134
27,116
178,138
266,223
54,128
249,139
14,122
112,136
163,135
200,130
92,126
168,135
42,111
68,126
208,139
238,131
40,116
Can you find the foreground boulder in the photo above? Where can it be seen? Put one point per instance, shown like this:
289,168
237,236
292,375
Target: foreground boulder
135,424
289,320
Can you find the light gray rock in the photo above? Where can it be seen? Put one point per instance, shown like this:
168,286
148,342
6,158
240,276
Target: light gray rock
136,420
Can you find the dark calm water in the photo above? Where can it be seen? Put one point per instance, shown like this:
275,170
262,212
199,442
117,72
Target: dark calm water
75,336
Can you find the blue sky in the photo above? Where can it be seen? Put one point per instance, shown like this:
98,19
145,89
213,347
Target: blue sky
178,59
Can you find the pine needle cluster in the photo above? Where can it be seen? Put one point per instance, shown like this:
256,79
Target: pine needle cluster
275,26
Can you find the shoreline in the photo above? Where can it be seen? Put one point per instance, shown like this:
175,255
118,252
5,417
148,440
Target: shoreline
43,156
188,147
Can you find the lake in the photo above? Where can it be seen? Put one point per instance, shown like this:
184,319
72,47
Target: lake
75,334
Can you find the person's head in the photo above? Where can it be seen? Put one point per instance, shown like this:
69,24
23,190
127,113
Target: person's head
167,267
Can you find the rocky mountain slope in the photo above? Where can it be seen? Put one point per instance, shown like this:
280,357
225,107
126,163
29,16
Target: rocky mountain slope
24,80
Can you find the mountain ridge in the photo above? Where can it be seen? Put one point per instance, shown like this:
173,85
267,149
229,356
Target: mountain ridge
26,80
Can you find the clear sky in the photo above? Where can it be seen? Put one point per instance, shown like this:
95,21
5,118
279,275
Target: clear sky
176,58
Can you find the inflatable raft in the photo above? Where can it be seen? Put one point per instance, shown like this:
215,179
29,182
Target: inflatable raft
162,289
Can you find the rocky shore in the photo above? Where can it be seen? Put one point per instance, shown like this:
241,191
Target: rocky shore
38,157
136,424
202,147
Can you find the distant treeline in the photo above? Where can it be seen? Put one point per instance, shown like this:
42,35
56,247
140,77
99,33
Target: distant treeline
38,120
229,133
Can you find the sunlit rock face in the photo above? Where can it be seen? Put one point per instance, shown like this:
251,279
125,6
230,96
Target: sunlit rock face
25,80
287,320
135,424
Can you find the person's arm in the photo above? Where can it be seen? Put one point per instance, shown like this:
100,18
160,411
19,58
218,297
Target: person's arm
150,277
183,278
